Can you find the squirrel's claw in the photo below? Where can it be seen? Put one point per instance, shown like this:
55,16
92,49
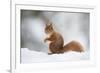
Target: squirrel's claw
45,40
50,53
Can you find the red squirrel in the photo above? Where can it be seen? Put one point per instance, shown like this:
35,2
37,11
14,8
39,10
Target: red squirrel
56,45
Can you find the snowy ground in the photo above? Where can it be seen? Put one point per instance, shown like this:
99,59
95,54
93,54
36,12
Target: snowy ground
28,56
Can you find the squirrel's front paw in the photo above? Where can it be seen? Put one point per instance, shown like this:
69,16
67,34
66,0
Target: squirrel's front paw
45,40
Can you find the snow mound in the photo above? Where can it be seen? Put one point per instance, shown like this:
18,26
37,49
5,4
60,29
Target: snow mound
28,56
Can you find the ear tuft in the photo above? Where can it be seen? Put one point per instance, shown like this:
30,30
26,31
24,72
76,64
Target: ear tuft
47,24
50,24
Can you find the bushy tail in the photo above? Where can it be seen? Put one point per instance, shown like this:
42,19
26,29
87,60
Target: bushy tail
73,46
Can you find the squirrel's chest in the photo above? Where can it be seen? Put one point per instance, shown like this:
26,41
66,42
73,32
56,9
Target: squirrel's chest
48,42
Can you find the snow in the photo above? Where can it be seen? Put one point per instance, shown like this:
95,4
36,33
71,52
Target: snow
29,56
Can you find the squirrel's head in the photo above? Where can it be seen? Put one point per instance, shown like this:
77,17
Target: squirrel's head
49,28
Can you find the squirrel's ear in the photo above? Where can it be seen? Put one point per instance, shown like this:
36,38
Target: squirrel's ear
50,24
46,24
